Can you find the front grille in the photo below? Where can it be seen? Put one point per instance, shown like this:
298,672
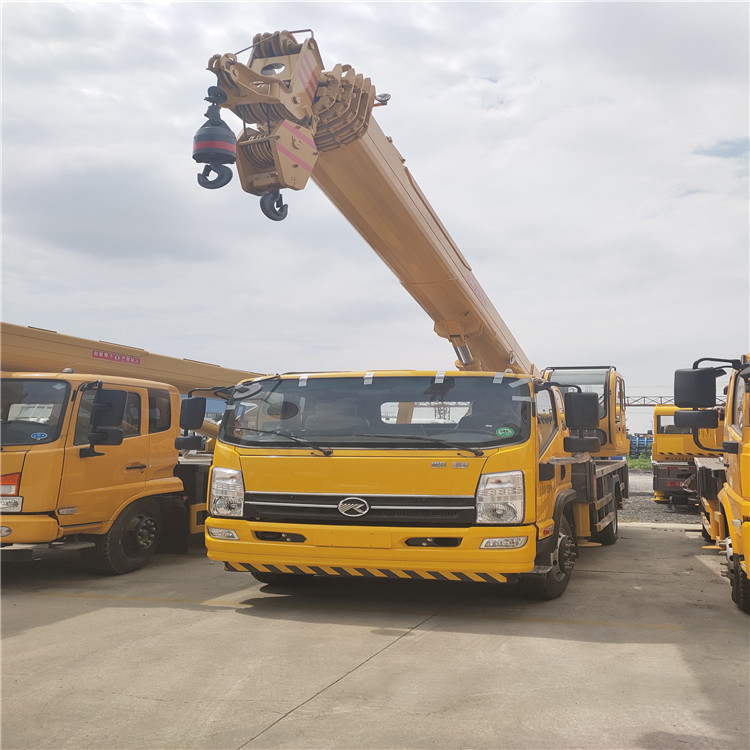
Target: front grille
385,510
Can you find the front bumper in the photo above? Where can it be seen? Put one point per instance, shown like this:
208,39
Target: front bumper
376,551
29,528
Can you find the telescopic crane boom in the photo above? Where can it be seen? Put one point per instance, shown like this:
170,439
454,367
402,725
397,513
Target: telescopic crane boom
301,122
27,349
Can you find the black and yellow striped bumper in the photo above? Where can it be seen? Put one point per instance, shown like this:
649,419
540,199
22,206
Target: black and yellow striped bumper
350,572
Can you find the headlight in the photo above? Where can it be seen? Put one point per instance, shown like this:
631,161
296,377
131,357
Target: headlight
227,492
11,504
500,498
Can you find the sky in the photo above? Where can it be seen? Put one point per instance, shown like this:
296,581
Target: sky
589,159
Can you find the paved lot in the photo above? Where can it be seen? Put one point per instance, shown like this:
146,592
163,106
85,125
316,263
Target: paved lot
645,650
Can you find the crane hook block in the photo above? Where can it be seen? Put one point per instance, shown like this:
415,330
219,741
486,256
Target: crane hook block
214,145
273,206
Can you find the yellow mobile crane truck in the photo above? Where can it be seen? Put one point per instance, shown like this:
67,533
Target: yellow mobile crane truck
91,461
727,478
675,456
465,475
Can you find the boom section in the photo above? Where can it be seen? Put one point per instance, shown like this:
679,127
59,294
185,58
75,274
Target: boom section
300,122
27,349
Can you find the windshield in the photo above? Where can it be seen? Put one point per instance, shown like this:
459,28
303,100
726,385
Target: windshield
590,381
414,412
32,410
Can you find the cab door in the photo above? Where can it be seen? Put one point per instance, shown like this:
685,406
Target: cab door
550,445
735,425
94,487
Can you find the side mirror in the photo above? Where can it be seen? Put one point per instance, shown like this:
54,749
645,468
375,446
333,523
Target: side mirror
582,444
695,389
581,410
106,436
108,408
189,442
101,436
192,412
706,419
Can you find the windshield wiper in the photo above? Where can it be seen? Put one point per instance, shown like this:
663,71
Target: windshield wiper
294,438
433,440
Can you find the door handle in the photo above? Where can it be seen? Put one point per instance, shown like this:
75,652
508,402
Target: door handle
135,466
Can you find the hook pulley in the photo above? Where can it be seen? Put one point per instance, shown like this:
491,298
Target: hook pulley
214,144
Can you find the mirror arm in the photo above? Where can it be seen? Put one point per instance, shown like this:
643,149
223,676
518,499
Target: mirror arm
735,364
696,440
89,451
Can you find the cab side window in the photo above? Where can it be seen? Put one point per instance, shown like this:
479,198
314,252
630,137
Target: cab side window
131,423
738,403
546,418
159,410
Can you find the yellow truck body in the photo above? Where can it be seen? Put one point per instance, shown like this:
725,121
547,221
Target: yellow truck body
441,476
112,501
727,477
115,502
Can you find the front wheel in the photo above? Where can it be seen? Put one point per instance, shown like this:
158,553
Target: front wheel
553,583
130,543
740,586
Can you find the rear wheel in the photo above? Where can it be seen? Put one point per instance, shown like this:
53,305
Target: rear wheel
740,586
130,543
610,534
553,583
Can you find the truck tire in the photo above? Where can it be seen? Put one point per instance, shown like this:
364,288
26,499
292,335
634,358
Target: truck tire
550,585
740,587
609,534
130,543
280,579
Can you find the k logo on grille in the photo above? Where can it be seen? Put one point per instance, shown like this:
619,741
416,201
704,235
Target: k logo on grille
354,507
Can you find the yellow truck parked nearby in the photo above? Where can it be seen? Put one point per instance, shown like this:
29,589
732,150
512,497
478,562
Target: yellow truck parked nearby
486,472
674,455
92,462
695,394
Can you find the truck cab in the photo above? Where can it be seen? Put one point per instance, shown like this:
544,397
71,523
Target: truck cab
87,461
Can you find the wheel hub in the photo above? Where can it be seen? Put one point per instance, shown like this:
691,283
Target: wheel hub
142,532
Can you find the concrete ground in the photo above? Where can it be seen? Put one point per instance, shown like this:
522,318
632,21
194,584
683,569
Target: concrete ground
645,650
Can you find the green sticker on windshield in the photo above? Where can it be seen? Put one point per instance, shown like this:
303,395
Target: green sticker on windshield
505,432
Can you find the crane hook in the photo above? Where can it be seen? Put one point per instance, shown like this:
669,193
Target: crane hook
223,176
273,206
